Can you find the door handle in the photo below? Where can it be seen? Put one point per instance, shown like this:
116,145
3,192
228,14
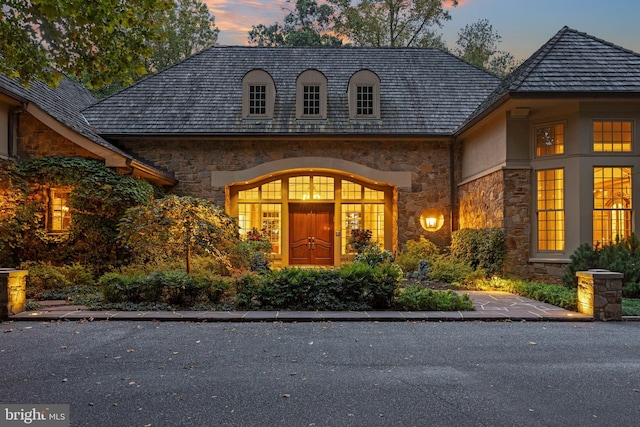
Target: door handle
313,243
309,243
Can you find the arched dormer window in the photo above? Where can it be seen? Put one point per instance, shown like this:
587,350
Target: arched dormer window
258,95
364,95
311,95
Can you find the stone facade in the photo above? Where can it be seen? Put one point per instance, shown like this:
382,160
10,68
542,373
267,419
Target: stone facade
193,160
35,139
501,199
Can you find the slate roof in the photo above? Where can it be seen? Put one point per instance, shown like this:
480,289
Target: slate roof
422,91
571,63
63,103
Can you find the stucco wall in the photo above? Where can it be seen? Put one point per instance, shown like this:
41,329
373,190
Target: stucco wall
428,162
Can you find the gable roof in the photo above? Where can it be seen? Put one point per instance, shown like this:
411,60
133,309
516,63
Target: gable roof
570,64
422,91
60,109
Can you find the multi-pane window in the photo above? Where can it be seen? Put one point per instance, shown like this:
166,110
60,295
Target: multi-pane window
612,136
612,204
257,100
264,218
550,208
311,188
550,140
364,101
59,214
311,100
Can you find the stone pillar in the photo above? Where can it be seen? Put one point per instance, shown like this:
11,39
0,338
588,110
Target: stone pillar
600,294
13,290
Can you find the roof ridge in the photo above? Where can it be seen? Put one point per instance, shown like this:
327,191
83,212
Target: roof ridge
516,79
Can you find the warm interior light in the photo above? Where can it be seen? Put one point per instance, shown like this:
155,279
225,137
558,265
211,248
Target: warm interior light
432,220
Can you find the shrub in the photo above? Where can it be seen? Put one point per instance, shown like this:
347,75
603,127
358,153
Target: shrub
443,269
416,250
360,239
171,288
43,276
481,249
419,298
373,255
622,257
352,286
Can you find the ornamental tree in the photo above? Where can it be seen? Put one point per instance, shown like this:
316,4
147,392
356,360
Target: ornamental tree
179,226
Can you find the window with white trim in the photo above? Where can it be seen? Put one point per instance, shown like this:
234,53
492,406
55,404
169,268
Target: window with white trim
612,204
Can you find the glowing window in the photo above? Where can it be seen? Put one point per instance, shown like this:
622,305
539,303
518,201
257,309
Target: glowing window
263,217
59,214
251,194
371,194
374,221
351,220
612,136
271,190
550,208
323,188
351,190
300,187
612,204
550,140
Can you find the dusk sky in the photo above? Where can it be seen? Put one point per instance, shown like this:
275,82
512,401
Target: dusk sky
524,25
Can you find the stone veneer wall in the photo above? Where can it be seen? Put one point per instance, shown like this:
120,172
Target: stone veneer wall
193,160
35,139
501,199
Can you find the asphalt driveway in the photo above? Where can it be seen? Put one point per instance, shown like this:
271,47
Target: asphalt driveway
326,373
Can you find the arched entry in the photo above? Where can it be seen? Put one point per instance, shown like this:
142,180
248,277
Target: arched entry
308,215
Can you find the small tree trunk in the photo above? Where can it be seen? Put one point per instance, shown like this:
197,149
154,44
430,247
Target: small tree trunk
188,259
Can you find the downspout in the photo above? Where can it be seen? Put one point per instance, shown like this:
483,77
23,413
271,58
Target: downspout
452,183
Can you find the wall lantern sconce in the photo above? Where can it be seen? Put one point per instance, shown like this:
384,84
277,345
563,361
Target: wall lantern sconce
432,220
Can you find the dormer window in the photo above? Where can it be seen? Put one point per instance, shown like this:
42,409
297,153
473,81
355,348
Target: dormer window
258,95
364,95
311,95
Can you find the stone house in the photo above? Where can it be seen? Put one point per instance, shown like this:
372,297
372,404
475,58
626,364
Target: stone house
308,144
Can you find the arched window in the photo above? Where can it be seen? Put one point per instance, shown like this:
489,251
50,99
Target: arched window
364,95
311,95
258,95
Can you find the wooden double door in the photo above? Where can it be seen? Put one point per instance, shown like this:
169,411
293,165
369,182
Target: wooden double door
311,234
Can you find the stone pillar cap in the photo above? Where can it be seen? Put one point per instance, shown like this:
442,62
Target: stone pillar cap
600,272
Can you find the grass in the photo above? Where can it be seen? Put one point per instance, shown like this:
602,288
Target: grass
630,307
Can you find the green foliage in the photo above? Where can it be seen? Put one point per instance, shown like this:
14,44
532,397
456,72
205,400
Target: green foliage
186,29
14,216
307,25
108,39
178,226
359,240
481,249
443,269
391,22
478,44
622,257
44,277
373,255
416,250
164,288
253,253
419,298
99,197
630,307
354,286
559,296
